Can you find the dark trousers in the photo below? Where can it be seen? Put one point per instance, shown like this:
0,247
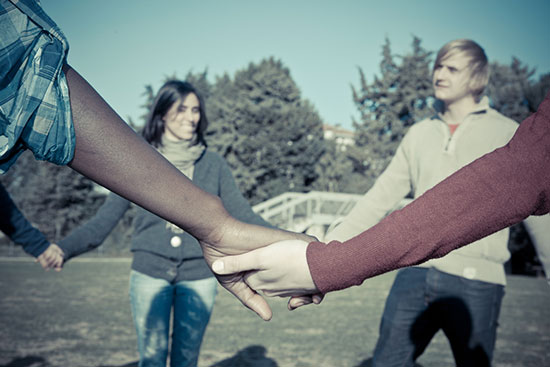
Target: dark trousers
425,300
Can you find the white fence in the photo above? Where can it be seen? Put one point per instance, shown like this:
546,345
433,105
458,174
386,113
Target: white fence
313,212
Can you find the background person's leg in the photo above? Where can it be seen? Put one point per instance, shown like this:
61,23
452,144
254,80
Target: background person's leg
405,329
473,344
538,227
151,303
192,309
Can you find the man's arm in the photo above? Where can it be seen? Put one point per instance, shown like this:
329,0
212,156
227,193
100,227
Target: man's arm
390,188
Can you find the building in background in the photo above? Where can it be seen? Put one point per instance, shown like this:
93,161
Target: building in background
341,136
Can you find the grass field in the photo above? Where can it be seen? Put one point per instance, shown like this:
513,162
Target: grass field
81,318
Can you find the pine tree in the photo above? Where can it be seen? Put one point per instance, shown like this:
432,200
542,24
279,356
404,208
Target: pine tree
200,82
538,91
269,135
389,105
333,169
507,89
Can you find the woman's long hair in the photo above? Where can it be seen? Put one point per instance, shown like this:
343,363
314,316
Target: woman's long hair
171,92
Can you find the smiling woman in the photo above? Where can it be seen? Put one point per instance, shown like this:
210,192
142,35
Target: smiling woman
168,268
178,114
182,118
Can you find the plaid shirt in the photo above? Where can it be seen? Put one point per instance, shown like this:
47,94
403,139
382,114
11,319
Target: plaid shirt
35,110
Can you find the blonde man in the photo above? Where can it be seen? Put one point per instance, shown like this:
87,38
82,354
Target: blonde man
460,293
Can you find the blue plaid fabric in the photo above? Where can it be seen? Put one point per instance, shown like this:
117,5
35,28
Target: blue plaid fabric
35,111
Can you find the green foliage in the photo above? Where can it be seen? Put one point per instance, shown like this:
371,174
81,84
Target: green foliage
396,99
201,83
507,89
269,135
149,94
536,92
333,169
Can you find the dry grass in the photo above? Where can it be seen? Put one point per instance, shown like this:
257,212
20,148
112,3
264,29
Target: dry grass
81,317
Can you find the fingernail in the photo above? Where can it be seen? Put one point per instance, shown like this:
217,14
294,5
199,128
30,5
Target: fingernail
217,266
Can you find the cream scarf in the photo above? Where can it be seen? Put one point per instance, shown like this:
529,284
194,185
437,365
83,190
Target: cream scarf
183,154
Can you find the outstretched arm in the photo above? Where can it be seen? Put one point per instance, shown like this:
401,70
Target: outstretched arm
95,230
14,224
111,154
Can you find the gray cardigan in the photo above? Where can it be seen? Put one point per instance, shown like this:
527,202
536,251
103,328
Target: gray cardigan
160,249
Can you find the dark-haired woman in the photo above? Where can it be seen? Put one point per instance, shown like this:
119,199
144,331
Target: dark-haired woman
168,268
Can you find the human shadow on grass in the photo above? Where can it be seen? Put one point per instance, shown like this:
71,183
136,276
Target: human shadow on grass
251,356
368,363
131,364
453,317
29,361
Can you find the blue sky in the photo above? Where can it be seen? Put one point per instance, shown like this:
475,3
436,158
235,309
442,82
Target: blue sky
119,46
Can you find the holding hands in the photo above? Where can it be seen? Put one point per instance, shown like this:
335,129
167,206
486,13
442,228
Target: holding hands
52,257
279,269
234,240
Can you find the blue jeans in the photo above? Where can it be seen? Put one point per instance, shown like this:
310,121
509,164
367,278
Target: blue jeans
422,301
152,300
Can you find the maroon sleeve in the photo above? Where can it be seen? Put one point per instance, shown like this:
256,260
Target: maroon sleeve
492,193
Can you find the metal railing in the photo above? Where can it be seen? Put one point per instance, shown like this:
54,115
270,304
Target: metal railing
308,212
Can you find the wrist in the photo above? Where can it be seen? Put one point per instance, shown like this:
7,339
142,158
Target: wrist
215,224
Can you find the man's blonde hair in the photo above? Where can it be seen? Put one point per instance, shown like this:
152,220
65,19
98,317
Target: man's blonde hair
479,65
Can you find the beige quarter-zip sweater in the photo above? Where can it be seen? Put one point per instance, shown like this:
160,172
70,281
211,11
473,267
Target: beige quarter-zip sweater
428,154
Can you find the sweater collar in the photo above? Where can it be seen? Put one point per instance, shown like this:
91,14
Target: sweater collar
481,107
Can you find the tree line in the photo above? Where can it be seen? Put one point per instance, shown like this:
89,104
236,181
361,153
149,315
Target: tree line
272,136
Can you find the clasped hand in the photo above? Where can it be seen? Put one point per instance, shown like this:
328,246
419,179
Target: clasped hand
52,257
279,269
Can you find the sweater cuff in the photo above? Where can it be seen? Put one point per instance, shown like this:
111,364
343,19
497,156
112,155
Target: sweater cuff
330,268
37,248
69,248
